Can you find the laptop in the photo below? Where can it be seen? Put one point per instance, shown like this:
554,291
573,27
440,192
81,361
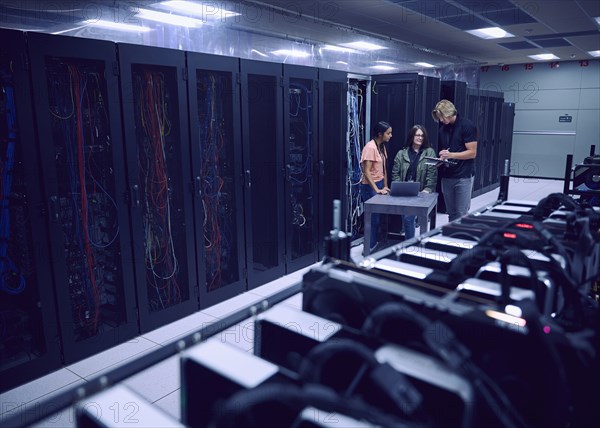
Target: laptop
405,188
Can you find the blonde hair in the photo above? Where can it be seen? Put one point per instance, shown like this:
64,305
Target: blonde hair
443,108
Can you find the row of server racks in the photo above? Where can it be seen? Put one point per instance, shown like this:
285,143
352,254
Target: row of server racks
140,184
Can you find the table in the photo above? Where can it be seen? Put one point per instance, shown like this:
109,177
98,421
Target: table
421,205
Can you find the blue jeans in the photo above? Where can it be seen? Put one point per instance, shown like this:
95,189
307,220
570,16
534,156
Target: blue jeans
408,222
367,192
457,196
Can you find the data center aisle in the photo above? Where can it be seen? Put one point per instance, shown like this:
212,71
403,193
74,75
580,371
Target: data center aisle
161,383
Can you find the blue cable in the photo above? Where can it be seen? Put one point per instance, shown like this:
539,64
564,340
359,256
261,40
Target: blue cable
7,266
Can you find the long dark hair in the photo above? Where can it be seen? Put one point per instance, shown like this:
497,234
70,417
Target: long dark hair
411,136
380,128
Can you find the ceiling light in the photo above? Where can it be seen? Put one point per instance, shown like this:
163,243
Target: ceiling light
597,19
341,62
204,10
167,18
594,53
424,64
116,25
385,62
288,52
490,33
543,57
383,67
363,46
259,53
338,49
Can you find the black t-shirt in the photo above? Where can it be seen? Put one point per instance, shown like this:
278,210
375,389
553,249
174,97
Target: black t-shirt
411,173
453,137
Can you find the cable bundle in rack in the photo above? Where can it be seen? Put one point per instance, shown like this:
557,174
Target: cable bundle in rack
162,265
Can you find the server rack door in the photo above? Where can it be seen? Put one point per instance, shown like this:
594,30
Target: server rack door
29,344
456,92
394,100
506,125
333,154
431,95
262,135
301,185
214,108
79,132
497,163
155,127
398,99
473,114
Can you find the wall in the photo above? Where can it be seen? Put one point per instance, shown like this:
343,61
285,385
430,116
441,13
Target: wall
542,93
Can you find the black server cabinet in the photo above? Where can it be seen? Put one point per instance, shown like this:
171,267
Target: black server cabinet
333,155
155,127
404,100
456,92
214,109
506,133
29,344
300,141
473,113
79,132
262,136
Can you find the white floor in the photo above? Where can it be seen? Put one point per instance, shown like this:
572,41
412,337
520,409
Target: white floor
160,384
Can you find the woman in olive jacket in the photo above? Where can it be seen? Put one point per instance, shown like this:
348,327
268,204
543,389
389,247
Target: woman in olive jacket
410,165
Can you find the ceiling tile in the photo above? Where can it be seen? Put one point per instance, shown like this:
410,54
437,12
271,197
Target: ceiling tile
552,43
518,45
508,17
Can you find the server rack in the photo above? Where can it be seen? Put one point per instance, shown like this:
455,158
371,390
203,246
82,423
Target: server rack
79,132
473,113
300,136
455,91
333,165
404,100
263,153
214,109
506,132
29,344
156,133
359,106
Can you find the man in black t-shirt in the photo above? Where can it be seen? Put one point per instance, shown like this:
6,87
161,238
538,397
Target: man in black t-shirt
457,140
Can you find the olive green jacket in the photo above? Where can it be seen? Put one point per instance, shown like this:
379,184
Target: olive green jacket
426,174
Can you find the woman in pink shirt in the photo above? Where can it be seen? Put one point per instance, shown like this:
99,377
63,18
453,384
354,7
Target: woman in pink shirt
374,175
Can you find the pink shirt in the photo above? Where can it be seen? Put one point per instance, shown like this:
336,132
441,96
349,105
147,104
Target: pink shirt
371,153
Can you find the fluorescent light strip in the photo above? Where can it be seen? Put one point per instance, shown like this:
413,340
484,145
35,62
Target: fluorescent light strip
205,11
424,64
543,57
288,52
595,54
116,26
167,18
383,67
363,46
259,53
490,33
338,49
386,62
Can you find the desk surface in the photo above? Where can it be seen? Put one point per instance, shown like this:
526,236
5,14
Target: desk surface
421,205
422,200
